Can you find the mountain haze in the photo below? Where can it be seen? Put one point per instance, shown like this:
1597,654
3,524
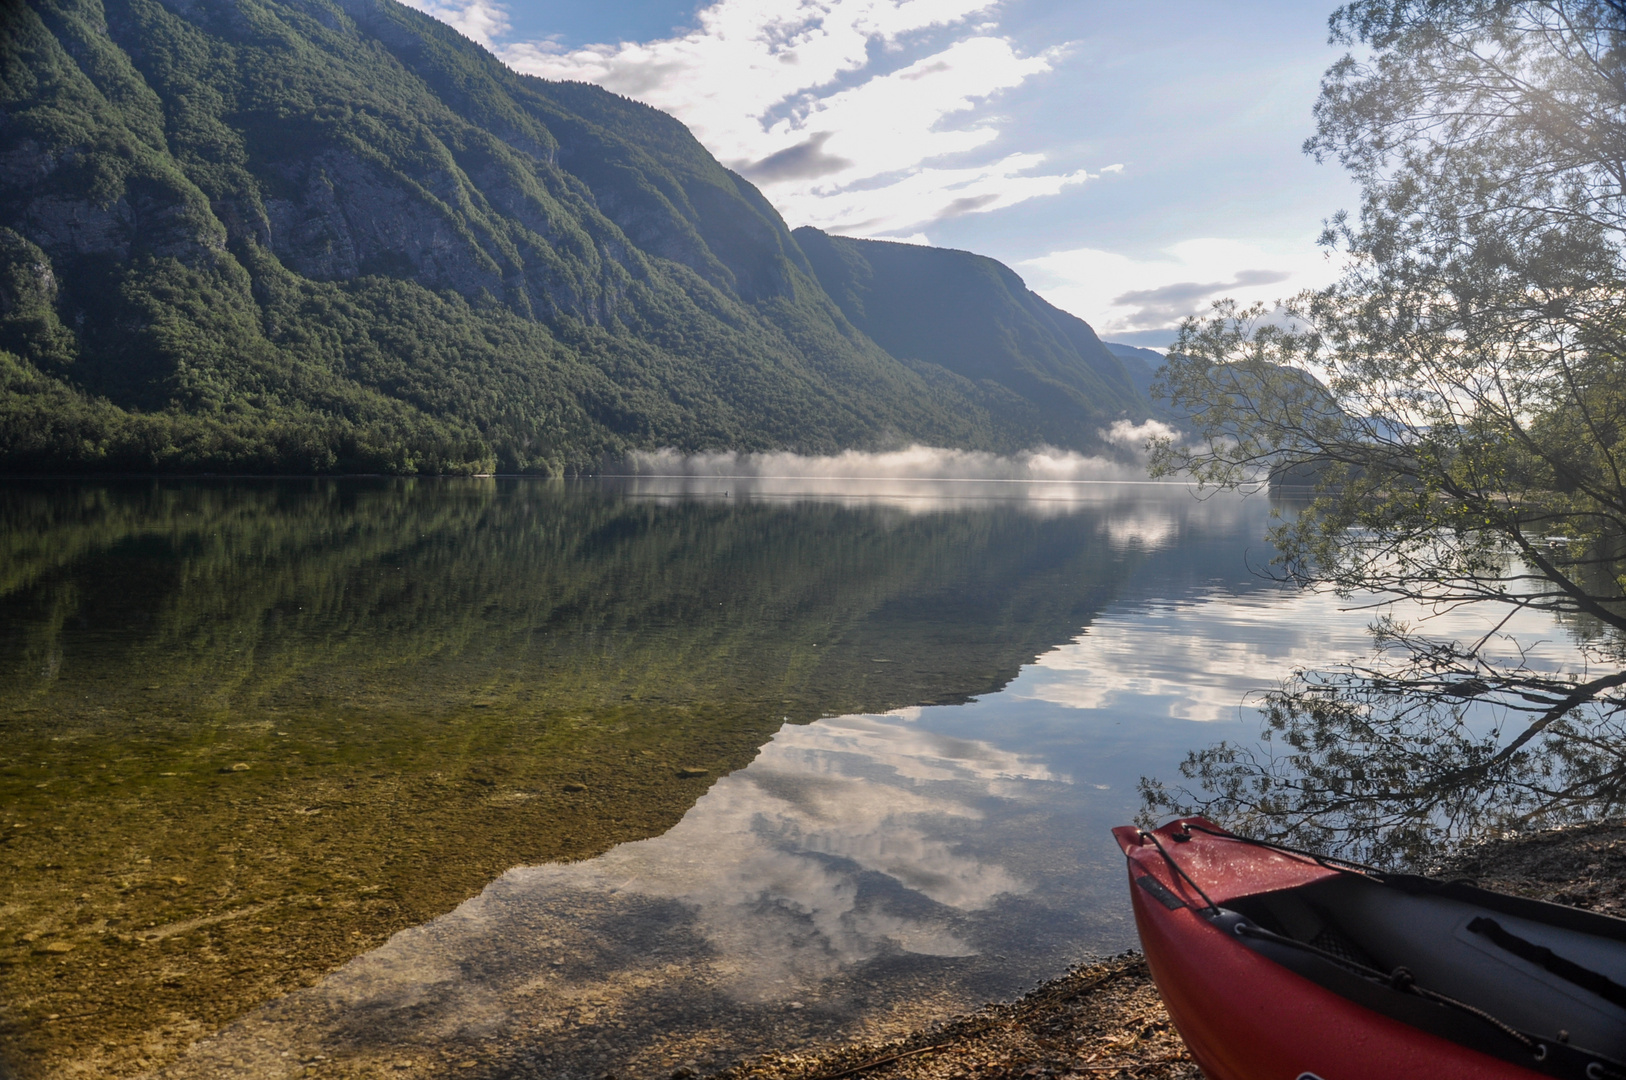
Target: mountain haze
308,236
1141,364
975,317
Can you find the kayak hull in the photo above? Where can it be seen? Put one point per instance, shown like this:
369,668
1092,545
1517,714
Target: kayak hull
1245,1017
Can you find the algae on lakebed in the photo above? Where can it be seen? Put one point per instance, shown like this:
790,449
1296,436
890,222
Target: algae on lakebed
253,728
145,909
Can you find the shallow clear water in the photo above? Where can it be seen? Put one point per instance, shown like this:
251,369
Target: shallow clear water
845,756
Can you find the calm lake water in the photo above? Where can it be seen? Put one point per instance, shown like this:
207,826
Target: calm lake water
530,779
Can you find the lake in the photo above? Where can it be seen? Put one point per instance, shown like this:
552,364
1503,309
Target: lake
518,778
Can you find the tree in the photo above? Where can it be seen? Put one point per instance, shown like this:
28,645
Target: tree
1457,404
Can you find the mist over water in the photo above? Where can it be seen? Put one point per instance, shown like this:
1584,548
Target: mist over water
918,477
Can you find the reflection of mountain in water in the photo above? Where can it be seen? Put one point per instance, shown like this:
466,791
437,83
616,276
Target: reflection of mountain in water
243,596
261,725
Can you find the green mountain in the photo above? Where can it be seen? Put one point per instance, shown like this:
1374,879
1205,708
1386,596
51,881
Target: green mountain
973,316
1141,364
308,236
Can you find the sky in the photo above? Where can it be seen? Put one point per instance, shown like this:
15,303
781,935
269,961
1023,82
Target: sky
1133,162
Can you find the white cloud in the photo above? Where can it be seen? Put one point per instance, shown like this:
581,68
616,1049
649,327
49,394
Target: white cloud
1118,294
1132,436
479,20
822,103
917,462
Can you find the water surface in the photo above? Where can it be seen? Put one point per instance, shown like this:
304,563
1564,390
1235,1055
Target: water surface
637,774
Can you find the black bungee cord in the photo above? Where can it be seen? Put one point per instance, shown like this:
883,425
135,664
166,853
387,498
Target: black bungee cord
1400,979
1178,869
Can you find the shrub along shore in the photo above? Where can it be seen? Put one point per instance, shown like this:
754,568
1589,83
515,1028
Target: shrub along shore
1105,1019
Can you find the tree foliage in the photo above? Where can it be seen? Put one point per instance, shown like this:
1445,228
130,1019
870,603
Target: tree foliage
1457,404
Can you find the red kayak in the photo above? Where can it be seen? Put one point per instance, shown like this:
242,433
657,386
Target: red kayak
1278,964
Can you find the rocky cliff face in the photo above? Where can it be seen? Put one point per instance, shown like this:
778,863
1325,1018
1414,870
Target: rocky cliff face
342,226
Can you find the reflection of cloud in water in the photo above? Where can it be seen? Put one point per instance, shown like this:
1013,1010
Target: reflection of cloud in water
904,752
1147,526
772,859
1149,513
1201,659
849,860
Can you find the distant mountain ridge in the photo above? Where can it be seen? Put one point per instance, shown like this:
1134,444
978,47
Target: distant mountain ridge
976,318
1141,364
313,236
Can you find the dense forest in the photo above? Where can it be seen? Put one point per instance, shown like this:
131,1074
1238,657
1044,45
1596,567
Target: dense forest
316,236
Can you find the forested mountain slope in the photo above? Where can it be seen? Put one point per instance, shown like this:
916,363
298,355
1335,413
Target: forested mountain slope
975,317
300,235
1141,364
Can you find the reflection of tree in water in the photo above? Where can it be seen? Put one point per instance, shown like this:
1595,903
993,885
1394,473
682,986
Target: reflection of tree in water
422,596
1392,760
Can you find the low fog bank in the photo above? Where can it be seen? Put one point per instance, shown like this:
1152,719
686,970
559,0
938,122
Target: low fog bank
920,477
1126,462
1044,464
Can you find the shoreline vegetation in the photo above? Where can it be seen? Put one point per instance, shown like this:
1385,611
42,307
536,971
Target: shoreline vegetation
1104,1018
